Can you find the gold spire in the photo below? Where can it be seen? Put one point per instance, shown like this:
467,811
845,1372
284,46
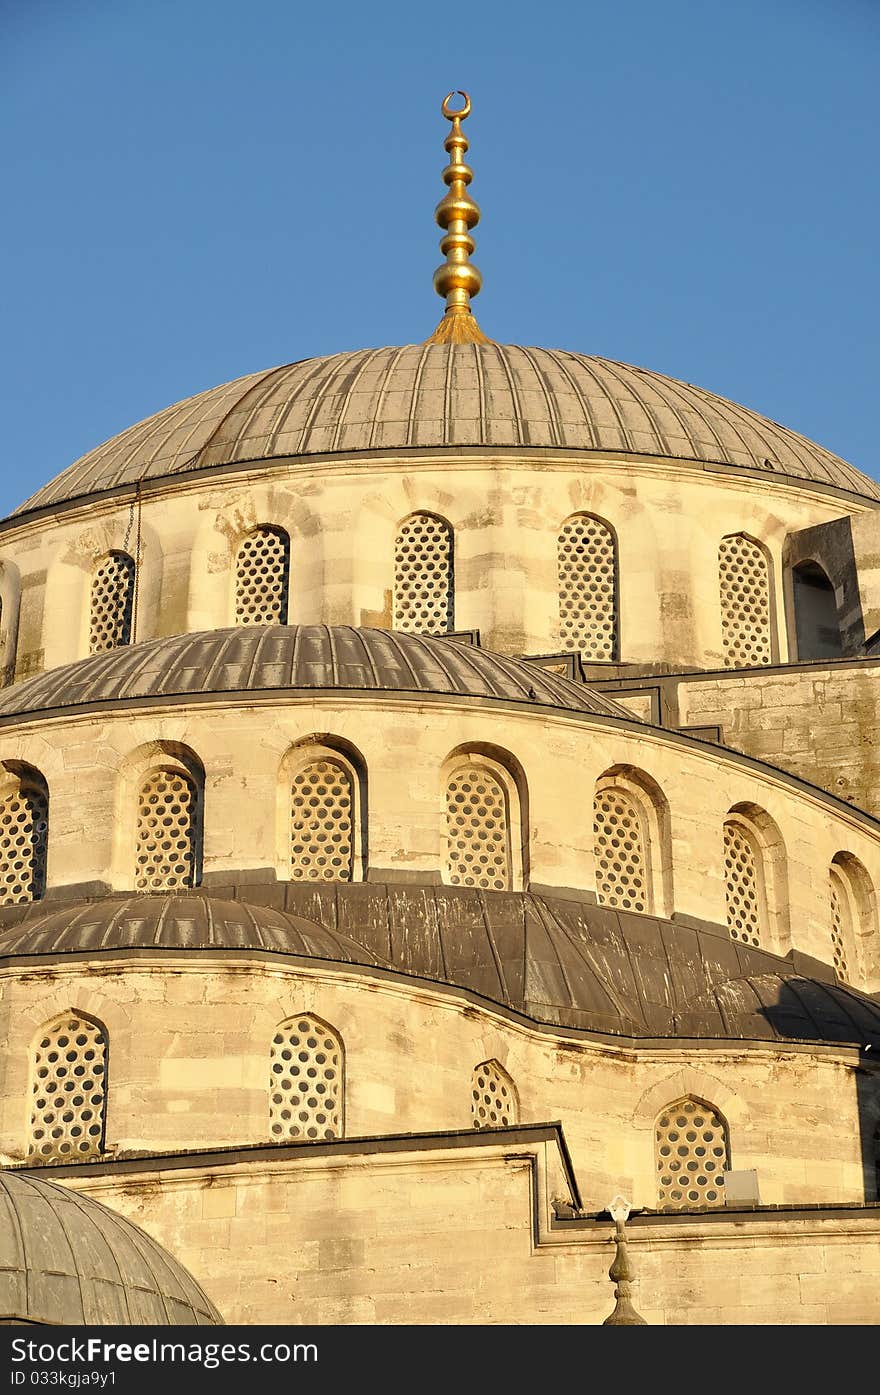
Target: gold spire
457,213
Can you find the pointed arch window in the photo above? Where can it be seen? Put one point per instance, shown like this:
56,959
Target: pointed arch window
692,1153
322,820
586,556
169,831
745,886
424,592
24,837
306,1080
478,849
494,1101
620,846
68,1094
744,584
112,602
262,578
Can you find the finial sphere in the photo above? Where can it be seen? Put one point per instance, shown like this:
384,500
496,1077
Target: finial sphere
451,115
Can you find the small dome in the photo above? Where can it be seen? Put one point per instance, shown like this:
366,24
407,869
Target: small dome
66,1259
437,395
250,658
559,962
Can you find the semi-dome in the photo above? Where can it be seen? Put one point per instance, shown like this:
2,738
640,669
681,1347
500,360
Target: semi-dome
67,1260
446,394
559,962
248,658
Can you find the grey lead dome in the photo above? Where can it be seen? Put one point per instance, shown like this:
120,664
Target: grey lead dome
272,657
67,1260
438,395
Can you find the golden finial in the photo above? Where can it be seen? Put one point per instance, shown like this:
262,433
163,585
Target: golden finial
457,213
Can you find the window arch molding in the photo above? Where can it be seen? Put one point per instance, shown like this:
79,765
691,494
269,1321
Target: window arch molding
854,884
747,601
763,835
296,772
509,777
178,761
423,592
588,586
260,576
644,796
24,833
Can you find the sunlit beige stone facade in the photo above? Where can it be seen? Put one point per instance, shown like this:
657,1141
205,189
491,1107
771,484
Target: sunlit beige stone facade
425,775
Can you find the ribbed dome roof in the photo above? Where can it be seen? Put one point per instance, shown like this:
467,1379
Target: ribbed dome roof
265,657
66,1259
449,395
559,962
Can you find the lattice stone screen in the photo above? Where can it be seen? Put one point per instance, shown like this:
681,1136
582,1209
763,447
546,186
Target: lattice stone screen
621,868
692,1155
744,891
586,564
493,1097
745,603
262,574
322,831
841,922
68,1090
477,830
24,832
424,595
305,1080
112,603
168,832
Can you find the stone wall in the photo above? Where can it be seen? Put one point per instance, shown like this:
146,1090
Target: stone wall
461,1230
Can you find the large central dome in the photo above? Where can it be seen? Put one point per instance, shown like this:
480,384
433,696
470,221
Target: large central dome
439,395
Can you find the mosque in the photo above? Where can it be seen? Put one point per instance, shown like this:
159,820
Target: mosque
440,796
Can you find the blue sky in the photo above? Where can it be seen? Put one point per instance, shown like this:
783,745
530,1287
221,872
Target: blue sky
196,189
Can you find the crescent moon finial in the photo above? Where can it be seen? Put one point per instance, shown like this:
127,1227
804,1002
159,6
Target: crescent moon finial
457,280
452,115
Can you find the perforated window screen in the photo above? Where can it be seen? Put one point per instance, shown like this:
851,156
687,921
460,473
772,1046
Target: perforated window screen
24,833
621,869
493,1097
587,579
305,1080
322,828
423,576
743,885
112,603
262,576
841,922
692,1156
168,832
745,603
68,1090
477,830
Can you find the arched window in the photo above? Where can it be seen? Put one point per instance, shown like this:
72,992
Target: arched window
692,1153
169,831
68,1089
622,874
744,580
745,887
494,1101
851,918
817,627
306,1080
24,833
424,593
322,832
262,575
586,558
112,604
478,851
